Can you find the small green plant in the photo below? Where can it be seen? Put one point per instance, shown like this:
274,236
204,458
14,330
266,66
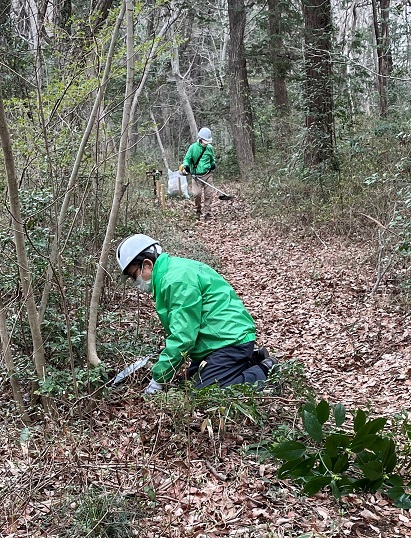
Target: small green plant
362,460
291,373
230,403
105,515
60,382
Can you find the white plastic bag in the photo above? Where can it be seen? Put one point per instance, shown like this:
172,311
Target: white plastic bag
172,187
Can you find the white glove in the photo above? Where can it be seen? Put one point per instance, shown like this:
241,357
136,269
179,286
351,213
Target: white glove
153,387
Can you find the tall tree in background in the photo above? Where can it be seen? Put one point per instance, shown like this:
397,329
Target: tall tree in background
279,59
319,146
240,105
380,9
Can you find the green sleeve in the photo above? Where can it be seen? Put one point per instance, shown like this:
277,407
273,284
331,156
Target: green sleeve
188,159
184,304
212,156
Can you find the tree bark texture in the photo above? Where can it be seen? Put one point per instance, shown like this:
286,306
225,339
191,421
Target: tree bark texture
279,61
119,191
380,10
9,364
319,147
240,104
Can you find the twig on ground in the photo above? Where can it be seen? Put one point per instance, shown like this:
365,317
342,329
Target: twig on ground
215,473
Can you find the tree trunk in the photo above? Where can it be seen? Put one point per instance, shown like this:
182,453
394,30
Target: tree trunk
99,13
381,27
76,166
319,146
119,190
159,141
19,239
279,60
9,364
182,93
240,107
149,60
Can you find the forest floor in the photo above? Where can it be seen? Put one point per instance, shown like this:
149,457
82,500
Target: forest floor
310,298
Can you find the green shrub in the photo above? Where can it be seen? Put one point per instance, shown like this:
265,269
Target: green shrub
329,456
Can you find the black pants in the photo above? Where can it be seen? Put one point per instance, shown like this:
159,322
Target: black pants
226,366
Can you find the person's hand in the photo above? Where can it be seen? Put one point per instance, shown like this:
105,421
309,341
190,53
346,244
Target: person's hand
153,387
181,168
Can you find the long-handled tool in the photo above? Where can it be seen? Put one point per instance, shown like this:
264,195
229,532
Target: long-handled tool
223,195
121,376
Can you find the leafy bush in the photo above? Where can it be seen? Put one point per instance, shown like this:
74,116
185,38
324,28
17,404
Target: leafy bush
362,460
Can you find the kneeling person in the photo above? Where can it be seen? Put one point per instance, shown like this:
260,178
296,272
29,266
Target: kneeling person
202,317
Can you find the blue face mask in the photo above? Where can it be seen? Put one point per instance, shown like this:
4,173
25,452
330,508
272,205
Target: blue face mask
143,285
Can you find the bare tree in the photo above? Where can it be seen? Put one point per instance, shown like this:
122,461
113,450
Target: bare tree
181,90
119,190
159,141
77,162
9,364
22,259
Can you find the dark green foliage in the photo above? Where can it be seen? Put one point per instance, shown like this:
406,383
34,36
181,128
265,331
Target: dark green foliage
325,455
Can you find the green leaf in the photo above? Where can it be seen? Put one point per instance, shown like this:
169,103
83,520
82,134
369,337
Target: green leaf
342,464
395,480
377,424
345,485
310,407
285,469
312,426
335,443
335,490
323,412
289,451
389,458
372,470
339,414
361,442
359,420
400,497
314,485
297,469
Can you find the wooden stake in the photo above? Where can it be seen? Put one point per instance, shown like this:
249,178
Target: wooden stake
163,196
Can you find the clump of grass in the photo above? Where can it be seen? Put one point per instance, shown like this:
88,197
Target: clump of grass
100,514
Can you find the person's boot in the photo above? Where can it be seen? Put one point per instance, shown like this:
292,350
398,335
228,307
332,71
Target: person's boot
259,355
269,363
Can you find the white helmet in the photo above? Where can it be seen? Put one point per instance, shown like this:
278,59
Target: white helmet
205,134
131,247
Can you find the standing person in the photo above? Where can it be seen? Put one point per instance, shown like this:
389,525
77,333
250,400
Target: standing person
200,161
202,317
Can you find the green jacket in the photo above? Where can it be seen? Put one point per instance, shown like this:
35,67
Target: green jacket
199,311
206,162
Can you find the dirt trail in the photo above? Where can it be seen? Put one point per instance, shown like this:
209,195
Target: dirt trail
310,299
